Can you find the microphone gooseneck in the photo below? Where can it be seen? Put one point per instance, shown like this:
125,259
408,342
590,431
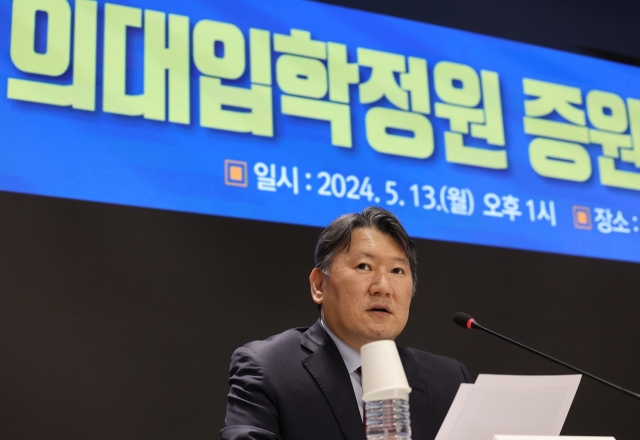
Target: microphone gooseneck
465,320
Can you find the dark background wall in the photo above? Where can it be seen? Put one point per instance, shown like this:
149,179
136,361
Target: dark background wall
118,322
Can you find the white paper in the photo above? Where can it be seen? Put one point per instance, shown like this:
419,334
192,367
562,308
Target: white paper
545,437
509,405
454,411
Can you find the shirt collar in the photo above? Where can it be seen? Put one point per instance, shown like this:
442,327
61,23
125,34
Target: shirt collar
350,357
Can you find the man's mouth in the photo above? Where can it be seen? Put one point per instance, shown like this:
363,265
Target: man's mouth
379,308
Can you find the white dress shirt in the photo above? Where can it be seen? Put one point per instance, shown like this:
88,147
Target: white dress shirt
353,361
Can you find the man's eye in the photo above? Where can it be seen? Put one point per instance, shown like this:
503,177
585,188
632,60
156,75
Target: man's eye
364,266
398,270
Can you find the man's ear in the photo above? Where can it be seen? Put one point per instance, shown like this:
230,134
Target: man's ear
316,283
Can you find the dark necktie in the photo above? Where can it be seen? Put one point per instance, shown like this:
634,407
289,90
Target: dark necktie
364,414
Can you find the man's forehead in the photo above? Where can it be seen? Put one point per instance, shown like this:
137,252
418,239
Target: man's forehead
373,256
371,243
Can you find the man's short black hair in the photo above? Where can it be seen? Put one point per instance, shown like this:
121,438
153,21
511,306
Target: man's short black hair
337,237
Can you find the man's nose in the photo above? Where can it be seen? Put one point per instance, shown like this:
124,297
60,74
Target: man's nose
380,284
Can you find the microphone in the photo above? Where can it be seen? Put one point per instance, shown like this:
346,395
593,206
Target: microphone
465,320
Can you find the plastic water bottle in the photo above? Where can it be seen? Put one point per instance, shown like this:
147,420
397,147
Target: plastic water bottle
388,419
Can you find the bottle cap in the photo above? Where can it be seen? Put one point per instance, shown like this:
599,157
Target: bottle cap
382,373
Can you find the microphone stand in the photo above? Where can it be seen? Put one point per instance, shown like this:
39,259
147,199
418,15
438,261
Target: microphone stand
475,324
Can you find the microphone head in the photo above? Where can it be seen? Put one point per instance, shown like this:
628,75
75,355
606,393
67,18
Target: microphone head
463,320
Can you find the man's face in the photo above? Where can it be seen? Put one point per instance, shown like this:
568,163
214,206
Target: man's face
367,295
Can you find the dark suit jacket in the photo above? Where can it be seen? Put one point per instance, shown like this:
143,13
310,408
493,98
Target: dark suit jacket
295,386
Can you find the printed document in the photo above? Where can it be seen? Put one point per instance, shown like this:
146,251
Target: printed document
509,405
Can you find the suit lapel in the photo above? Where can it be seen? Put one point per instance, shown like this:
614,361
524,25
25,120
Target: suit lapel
420,403
326,366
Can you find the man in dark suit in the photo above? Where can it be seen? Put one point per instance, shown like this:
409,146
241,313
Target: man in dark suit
305,384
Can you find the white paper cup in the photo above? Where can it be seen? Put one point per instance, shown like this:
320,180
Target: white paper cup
382,373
